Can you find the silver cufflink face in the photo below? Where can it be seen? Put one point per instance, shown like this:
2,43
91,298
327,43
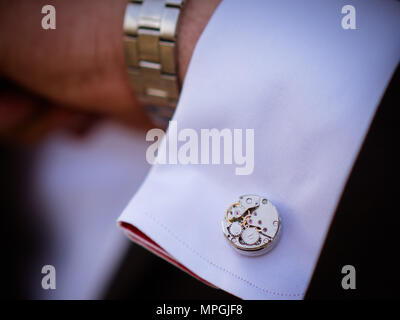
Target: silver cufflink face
252,225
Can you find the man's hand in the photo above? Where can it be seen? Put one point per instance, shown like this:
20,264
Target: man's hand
81,63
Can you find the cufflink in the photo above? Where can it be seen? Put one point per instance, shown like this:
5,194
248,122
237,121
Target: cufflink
252,225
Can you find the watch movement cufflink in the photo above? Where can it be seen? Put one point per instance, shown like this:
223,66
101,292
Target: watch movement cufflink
252,225
150,28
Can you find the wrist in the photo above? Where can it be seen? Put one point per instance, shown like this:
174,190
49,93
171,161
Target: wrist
159,39
81,63
193,20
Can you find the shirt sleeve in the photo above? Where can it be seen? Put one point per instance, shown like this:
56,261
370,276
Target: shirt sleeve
308,88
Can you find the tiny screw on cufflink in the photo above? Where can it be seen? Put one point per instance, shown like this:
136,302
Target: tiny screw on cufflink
252,225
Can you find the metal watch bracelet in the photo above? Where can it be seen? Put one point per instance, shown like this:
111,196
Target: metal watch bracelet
150,28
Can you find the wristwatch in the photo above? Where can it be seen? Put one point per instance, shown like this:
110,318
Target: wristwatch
150,28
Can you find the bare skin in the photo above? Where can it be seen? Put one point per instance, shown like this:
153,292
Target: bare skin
79,67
